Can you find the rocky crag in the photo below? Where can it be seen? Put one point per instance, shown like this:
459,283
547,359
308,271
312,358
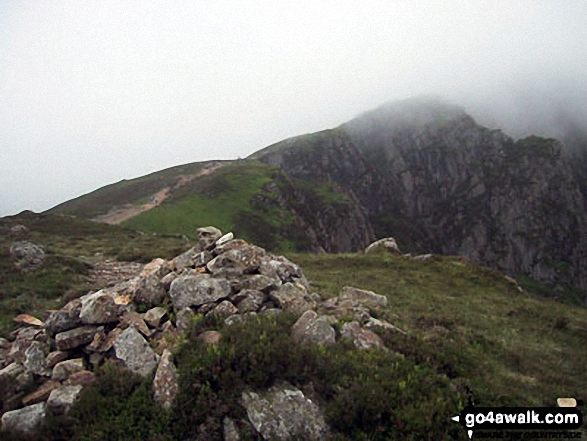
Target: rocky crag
426,173
48,363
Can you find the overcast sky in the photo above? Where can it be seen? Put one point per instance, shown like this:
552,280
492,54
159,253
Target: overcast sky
99,91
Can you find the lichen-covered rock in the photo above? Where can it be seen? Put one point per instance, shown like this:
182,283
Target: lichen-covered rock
207,237
192,290
65,318
165,383
367,298
27,255
184,318
135,319
283,412
291,297
154,316
25,420
362,338
250,300
76,337
224,309
99,308
35,359
62,398
149,289
309,328
135,352
259,282
65,369
229,430
281,268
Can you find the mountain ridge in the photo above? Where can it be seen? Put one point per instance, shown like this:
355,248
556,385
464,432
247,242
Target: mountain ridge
420,170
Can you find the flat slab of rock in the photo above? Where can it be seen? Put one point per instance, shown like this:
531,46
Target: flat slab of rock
367,298
283,412
62,398
135,352
76,337
24,420
26,319
197,290
309,328
65,369
41,394
165,383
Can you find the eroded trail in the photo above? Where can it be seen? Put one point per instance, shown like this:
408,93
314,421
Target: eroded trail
117,215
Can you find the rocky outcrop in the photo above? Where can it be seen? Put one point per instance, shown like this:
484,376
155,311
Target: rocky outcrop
425,173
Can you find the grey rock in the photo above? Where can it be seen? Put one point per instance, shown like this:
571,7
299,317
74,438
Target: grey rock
373,323
150,290
207,237
27,255
385,245
25,420
224,309
8,379
165,383
185,260
154,316
367,298
362,338
423,258
167,280
283,412
281,268
259,282
229,430
61,399
35,361
99,308
251,301
135,352
310,329
291,297
76,337
230,245
157,267
64,369
184,318
196,290
65,318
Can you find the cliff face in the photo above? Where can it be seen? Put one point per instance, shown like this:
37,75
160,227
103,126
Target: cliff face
428,175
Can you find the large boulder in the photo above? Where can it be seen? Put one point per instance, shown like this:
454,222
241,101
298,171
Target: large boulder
385,245
27,255
135,352
283,412
25,420
196,290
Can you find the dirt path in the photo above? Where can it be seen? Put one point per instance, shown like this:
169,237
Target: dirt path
116,215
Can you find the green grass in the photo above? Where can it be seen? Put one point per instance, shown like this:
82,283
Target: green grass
512,348
72,246
133,191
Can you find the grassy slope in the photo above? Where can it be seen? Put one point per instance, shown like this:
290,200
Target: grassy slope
71,245
131,191
512,348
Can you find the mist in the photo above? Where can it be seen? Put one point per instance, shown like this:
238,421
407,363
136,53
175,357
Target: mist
95,92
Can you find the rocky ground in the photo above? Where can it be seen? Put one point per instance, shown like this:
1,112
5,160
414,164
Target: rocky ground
136,321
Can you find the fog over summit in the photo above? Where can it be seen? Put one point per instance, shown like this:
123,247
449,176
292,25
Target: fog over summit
95,93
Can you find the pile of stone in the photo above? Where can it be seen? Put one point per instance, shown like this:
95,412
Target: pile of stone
48,363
